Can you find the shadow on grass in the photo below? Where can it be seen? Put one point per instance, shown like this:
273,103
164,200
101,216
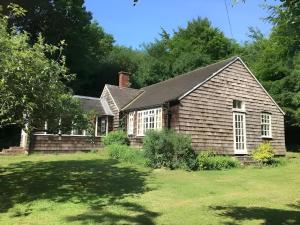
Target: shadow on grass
97,183
136,214
269,216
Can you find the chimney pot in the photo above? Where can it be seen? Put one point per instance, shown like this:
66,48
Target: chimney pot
124,79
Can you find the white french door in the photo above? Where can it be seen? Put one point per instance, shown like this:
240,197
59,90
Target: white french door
239,133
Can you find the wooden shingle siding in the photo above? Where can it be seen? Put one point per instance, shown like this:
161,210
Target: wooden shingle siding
113,107
206,113
64,143
174,110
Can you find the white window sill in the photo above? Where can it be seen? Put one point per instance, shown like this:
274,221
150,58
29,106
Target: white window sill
239,110
268,137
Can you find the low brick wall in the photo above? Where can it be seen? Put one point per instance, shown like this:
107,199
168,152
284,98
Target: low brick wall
63,143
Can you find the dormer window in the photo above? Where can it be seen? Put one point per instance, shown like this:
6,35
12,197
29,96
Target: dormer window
238,105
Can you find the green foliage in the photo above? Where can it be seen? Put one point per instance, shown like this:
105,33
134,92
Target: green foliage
31,87
90,125
116,137
158,149
87,45
185,156
264,153
210,161
286,20
186,49
169,149
126,153
274,60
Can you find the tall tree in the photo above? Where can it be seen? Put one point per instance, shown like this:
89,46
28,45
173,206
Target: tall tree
87,43
31,87
186,49
275,60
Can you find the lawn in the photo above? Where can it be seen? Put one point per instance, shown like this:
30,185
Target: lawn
91,189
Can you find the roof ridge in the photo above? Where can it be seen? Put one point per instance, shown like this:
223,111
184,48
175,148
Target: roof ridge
134,99
87,97
122,87
188,73
181,84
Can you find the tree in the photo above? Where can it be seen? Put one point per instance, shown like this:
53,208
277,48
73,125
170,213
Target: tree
275,61
31,87
87,45
186,49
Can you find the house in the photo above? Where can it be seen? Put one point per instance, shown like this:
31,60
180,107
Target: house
222,107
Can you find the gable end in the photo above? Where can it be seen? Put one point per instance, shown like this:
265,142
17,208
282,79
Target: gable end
219,71
261,86
107,89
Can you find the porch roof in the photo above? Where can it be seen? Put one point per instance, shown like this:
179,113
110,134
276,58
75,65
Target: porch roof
98,105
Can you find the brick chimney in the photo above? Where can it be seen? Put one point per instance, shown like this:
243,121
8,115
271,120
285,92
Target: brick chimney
124,79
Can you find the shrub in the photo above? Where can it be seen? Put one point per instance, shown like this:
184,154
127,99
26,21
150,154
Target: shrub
169,149
116,137
126,153
264,153
185,156
158,149
210,161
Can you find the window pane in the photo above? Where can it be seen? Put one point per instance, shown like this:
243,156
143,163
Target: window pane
130,123
101,126
239,131
237,104
149,119
266,125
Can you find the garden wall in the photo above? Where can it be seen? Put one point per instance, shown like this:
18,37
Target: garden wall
63,143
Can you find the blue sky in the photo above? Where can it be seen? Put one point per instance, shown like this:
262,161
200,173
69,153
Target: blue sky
132,26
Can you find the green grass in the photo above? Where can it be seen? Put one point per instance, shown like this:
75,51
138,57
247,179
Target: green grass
92,189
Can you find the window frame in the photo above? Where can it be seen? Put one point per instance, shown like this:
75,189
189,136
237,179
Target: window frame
96,126
149,119
242,129
241,109
130,124
266,121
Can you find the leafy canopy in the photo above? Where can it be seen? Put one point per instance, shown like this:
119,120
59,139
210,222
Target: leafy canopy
31,87
87,45
186,49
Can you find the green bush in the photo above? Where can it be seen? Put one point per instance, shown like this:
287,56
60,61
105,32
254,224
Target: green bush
210,161
264,153
167,148
185,156
126,153
116,137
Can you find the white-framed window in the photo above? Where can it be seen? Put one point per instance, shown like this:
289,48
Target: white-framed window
238,105
130,123
149,120
77,132
101,126
266,125
239,129
140,129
